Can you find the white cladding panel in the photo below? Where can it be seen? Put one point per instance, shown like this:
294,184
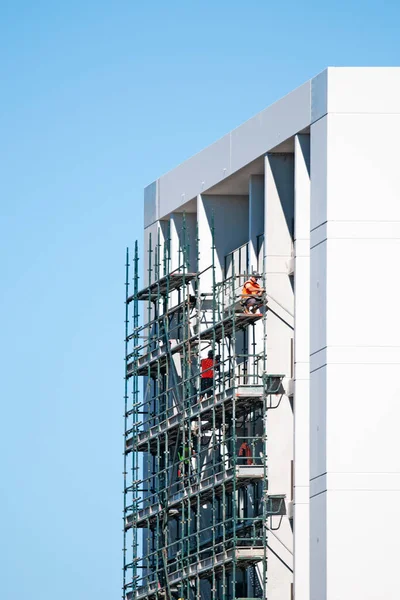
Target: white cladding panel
355,348
318,208
363,90
318,549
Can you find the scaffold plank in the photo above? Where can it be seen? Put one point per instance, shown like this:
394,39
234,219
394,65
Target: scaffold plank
245,396
246,556
149,363
205,488
163,286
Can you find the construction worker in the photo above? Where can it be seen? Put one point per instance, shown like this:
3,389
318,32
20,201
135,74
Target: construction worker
252,293
208,366
245,454
184,456
187,463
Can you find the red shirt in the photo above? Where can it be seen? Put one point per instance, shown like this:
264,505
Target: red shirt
207,371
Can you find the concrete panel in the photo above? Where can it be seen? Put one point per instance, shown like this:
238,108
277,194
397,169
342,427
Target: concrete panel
319,144
318,485
302,188
279,177
280,436
248,142
151,238
205,241
181,238
362,305
360,90
302,310
362,545
318,297
279,214
318,385
363,172
363,413
340,90
279,569
150,203
175,244
301,551
364,90
318,235
301,366
363,482
230,215
318,548
256,215
319,96
302,433
355,351
194,176
271,127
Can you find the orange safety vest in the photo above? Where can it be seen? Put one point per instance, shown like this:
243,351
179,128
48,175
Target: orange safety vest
246,292
245,450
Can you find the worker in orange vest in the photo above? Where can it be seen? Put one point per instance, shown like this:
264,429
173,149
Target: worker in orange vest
252,294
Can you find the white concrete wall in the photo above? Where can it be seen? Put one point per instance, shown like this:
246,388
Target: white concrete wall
279,206
301,473
355,333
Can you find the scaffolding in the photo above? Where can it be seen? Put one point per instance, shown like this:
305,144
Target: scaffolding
196,505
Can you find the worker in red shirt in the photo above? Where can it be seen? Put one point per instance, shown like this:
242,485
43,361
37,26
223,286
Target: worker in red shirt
245,455
252,293
208,366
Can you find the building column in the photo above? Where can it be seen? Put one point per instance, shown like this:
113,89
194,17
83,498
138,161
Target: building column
301,403
279,207
204,227
181,238
256,219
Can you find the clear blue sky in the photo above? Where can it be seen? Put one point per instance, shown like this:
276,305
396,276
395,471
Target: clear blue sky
97,100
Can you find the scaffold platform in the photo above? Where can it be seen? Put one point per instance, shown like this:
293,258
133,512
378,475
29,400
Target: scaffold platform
244,396
243,556
162,286
205,489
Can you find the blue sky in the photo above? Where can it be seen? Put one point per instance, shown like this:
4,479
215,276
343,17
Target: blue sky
97,100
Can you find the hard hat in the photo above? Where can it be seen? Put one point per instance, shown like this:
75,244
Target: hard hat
256,275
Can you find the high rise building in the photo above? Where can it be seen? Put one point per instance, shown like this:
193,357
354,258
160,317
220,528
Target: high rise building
260,448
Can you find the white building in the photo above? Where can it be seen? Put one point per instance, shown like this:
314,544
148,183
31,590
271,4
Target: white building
317,176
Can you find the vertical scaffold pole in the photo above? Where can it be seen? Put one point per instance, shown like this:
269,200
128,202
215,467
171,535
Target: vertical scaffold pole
135,407
265,435
125,417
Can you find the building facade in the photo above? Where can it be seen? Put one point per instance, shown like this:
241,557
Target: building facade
259,446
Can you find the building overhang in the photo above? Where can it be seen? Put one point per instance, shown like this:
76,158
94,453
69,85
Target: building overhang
223,166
